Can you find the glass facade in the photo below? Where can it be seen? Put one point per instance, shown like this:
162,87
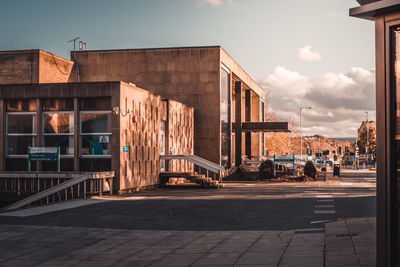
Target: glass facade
225,122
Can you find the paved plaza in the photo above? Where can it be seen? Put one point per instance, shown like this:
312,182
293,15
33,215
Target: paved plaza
321,223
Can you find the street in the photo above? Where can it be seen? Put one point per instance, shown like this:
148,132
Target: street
320,223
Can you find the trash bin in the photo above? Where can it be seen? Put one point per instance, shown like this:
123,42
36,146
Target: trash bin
336,170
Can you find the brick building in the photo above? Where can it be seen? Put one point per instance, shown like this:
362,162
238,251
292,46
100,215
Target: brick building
88,105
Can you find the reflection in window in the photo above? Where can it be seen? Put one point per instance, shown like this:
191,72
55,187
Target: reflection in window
21,132
58,130
95,133
21,105
225,127
57,104
396,62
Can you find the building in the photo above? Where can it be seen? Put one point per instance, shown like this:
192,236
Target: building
120,109
386,14
201,77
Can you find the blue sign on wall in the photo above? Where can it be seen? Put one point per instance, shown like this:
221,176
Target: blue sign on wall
125,148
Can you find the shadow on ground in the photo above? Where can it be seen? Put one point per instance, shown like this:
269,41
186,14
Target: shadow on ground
201,214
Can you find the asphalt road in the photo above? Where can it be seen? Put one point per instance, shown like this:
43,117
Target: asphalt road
228,225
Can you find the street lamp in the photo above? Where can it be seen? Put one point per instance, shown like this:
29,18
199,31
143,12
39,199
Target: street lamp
366,112
301,134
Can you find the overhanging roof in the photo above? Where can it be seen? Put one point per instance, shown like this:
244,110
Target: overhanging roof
371,10
264,126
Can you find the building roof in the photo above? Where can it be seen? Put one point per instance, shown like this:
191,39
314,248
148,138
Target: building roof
369,9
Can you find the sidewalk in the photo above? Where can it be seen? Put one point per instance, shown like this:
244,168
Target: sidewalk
349,242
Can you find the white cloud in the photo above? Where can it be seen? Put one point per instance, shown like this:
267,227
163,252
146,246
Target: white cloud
216,3
305,54
338,100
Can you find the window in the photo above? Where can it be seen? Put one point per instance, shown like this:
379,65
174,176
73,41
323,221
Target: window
225,111
95,133
21,132
58,130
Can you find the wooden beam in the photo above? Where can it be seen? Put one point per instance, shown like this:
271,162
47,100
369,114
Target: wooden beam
238,123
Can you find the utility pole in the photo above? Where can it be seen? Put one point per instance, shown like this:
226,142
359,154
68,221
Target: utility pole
301,133
366,112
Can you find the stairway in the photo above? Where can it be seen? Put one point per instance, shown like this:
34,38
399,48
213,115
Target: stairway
181,178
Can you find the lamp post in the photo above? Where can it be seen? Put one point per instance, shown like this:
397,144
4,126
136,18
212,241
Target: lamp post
366,112
301,134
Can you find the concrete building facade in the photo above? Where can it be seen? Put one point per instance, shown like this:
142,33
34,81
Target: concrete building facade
201,77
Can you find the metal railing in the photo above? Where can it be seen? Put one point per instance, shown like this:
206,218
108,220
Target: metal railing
203,166
47,188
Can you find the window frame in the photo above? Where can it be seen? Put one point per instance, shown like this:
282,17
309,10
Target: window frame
58,134
32,135
92,134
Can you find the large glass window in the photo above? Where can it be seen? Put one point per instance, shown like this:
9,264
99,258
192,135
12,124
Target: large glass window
95,133
396,72
225,127
58,130
21,132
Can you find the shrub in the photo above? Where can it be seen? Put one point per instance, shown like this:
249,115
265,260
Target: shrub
310,170
267,169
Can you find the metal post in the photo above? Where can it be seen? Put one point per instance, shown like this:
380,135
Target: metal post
274,167
29,158
58,159
294,165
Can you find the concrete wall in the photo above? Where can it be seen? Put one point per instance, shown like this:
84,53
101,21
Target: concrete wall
180,134
188,75
33,66
19,67
140,166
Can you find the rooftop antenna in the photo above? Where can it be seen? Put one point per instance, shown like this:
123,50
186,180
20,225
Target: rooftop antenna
74,40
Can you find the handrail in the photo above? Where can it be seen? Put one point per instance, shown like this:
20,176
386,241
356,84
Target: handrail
203,163
52,190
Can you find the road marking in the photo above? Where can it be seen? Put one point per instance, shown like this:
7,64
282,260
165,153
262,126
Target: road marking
323,196
324,221
346,183
324,206
324,211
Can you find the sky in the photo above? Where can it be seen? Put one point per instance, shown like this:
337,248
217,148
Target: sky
303,53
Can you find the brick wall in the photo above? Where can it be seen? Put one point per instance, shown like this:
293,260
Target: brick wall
188,75
19,67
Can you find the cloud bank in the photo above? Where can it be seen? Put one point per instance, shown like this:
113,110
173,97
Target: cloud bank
305,54
338,100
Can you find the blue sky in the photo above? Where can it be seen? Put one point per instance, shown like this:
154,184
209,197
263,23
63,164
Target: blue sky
269,39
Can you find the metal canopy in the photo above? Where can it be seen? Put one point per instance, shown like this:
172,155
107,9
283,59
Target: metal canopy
264,127
371,10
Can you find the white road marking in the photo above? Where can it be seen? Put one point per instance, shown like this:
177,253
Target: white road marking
324,211
324,221
323,196
346,183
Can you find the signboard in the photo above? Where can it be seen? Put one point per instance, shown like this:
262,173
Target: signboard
43,154
285,158
104,139
125,148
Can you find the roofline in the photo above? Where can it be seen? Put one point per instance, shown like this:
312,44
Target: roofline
67,83
259,91
34,51
142,49
370,11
